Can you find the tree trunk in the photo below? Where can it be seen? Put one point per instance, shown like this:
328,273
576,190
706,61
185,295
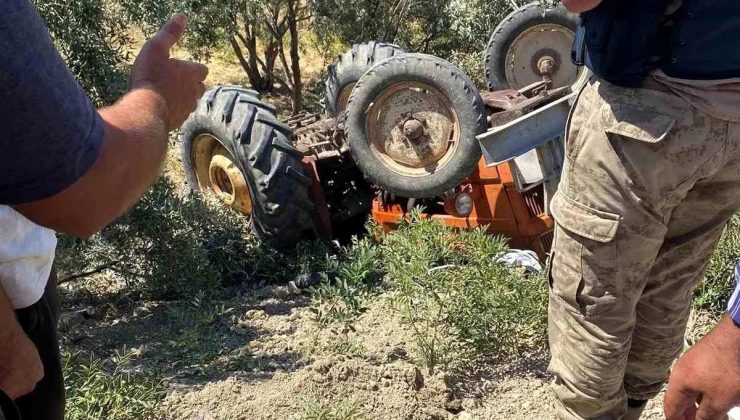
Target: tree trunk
259,82
253,78
295,59
266,82
270,54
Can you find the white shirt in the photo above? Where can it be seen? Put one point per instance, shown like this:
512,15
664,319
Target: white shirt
26,256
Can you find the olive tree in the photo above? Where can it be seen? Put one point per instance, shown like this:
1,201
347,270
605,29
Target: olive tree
264,35
92,39
440,27
456,30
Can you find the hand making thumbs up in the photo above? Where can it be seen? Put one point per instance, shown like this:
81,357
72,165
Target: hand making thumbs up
178,82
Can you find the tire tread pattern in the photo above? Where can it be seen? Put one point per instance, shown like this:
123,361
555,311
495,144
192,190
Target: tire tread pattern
261,145
350,66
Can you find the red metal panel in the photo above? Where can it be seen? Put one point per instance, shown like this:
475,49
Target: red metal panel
497,205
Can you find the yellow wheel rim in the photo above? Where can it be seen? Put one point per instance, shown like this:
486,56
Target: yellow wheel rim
218,174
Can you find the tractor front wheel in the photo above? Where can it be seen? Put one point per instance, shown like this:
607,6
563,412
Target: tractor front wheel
412,122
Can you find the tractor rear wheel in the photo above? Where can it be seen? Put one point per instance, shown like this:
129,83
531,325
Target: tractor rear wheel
234,147
342,76
411,125
531,44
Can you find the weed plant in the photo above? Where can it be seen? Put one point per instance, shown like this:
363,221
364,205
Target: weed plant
350,281
715,289
195,329
340,409
103,389
457,299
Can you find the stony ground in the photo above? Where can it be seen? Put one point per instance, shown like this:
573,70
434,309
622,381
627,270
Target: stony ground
261,355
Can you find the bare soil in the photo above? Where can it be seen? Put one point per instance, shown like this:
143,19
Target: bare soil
262,356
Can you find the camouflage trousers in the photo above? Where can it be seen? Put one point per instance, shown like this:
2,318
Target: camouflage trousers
648,185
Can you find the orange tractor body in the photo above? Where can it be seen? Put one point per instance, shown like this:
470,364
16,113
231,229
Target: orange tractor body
498,206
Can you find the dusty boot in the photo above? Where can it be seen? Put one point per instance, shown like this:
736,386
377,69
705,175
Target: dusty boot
634,409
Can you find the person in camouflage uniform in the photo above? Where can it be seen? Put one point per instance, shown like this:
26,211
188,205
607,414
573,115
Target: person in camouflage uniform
651,178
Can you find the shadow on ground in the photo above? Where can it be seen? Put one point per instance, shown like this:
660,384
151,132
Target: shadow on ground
190,343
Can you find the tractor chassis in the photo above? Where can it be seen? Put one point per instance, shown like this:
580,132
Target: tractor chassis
506,198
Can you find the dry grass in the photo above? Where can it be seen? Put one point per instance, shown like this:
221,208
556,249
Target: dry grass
224,67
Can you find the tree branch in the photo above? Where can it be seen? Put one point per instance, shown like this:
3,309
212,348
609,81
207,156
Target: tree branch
98,269
279,79
305,17
238,52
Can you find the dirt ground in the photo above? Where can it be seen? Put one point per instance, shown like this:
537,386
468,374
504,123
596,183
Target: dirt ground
260,355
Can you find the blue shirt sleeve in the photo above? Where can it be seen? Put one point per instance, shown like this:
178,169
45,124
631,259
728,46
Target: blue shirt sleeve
50,132
733,306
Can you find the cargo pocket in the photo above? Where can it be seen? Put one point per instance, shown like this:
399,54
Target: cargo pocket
648,151
638,123
584,274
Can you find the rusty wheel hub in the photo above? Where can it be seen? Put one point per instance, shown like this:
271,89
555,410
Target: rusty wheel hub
218,173
546,65
412,129
542,51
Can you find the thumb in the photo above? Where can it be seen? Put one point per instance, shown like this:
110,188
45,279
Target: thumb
171,32
712,410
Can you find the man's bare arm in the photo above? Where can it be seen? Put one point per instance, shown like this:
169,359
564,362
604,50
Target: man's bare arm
129,162
579,6
164,91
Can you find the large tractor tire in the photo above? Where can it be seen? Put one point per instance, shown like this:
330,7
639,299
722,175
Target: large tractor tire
342,76
234,147
411,125
532,43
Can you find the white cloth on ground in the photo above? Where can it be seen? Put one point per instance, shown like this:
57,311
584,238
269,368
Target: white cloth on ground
521,258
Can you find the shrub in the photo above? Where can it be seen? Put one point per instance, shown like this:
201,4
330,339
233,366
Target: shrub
172,247
714,290
102,389
472,65
440,27
457,299
167,246
350,281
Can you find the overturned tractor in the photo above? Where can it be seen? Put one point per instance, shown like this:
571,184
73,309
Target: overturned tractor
400,130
